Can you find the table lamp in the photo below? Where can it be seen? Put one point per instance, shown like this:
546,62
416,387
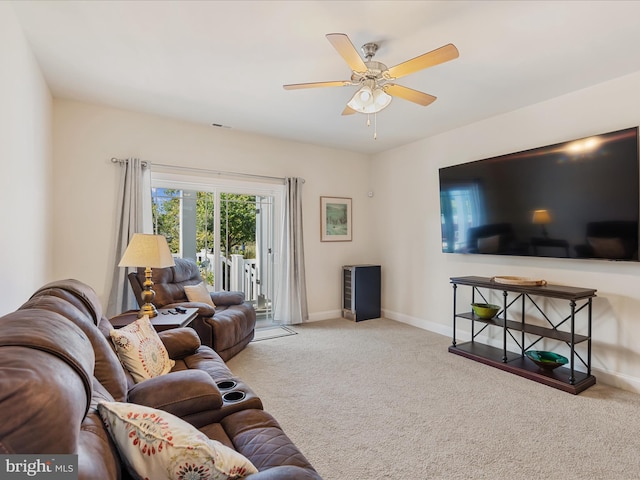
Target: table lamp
148,251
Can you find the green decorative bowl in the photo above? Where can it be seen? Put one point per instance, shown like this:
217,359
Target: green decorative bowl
485,310
546,360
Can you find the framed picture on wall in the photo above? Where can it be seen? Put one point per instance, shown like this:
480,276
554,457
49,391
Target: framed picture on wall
335,219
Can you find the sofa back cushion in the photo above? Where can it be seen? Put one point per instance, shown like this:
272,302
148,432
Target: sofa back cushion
46,370
74,291
65,298
48,394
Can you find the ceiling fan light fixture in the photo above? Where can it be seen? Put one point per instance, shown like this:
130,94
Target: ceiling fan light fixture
381,98
367,100
364,95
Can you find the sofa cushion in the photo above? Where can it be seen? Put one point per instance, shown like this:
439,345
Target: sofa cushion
180,342
207,360
156,444
256,434
141,351
199,293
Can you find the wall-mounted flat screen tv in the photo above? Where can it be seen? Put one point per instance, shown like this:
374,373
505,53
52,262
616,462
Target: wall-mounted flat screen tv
577,199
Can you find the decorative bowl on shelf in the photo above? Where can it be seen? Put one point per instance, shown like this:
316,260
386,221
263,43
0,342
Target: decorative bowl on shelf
546,360
485,310
523,281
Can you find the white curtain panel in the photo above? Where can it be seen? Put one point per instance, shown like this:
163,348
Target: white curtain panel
290,302
134,216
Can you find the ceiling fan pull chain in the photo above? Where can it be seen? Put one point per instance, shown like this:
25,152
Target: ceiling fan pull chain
368,120
375,126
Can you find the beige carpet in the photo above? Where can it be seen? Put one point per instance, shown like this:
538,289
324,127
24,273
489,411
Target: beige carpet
383,400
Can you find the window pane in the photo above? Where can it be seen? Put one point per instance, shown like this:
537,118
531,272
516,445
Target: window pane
238,224
166,215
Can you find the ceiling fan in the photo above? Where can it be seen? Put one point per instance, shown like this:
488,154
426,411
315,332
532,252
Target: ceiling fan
375,79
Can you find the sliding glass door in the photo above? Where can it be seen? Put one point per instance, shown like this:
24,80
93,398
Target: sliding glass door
246,246
228,230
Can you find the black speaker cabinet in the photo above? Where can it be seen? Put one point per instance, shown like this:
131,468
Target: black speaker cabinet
361,292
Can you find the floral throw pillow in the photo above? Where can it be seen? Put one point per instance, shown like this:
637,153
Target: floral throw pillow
158,445
141,351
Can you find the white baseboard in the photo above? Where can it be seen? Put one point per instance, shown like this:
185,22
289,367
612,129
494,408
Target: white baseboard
613,379
328,315
616,379
418,322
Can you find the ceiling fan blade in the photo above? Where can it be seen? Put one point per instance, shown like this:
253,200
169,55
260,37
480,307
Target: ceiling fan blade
346,49
406,93
348,111
430,59
296,86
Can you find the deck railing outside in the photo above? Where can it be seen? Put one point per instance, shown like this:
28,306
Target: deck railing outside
238,273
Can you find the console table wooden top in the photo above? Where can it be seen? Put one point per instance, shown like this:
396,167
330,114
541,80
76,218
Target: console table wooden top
549,290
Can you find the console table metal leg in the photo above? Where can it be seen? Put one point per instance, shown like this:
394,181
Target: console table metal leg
504,329
589,340
455,289
572,377
473,322
522,337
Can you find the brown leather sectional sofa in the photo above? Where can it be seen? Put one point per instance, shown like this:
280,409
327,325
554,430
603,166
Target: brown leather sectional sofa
57,363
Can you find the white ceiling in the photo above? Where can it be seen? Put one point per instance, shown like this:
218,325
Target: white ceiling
225,62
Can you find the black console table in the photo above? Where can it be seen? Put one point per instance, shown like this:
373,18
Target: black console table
564,378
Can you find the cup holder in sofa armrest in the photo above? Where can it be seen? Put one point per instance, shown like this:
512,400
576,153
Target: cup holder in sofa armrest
226,384
233,396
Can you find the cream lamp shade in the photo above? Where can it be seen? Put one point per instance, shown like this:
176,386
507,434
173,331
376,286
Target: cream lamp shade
148,251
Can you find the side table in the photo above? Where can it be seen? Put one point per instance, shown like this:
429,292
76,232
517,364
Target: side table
166,319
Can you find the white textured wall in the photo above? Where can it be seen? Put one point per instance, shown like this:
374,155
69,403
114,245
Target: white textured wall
85,188
25,157
417,288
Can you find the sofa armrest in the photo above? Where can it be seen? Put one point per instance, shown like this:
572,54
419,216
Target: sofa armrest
180,342
184,393
227,298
